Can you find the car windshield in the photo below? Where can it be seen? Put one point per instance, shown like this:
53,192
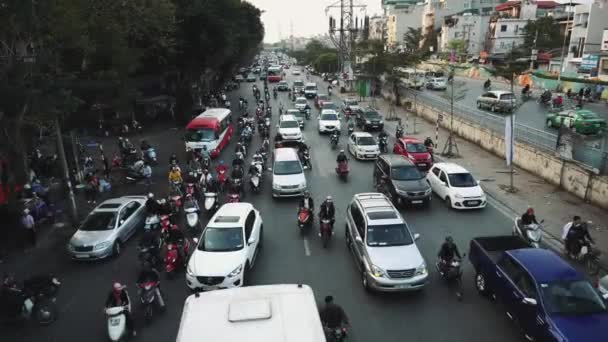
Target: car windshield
415,148
329,117
289,124
403,173
329,105
351,103
301,101
282,83
99,221
202,134
323,98
310,88
287,167
576,297
371,115
507,97
222,240
588,116
462,180
366,141
388,235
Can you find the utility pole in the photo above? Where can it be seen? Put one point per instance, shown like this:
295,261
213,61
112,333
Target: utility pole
534,52
66,172
450,149
561,59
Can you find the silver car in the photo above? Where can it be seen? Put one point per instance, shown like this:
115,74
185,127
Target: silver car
497,101
107,228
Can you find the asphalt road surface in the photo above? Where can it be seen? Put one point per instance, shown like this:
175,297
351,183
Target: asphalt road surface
433,314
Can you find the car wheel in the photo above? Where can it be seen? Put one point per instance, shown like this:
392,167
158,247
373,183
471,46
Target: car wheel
364,280
481,285
479,104
549,123
427,202
117,249
448,202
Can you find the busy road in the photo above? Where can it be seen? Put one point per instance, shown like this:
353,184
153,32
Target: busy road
433,314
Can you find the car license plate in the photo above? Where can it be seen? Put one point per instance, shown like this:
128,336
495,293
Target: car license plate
417,201
82,256
114,321
374,126
369,155
402,286
473,202
210,288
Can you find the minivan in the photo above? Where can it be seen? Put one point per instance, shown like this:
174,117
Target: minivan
288,178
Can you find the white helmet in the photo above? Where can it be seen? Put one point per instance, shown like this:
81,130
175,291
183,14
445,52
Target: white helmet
328,198
26,211
150,195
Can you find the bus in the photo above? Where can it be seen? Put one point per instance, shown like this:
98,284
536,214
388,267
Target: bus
266,313
213,129
411,78
275,74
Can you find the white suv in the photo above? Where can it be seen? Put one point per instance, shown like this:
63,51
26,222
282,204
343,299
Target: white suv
382,245
289,128
227,249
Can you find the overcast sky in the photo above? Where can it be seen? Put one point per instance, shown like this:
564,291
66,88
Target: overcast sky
307,16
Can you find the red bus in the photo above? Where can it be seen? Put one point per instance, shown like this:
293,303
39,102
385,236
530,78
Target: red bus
213,129
274,74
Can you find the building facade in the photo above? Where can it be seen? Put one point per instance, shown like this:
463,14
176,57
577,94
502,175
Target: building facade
588,25
400,16
377,27
468,27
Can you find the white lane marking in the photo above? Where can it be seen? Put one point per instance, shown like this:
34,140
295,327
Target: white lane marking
306,247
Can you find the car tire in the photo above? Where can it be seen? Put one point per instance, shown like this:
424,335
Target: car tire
346,236
549,123
427,203
448,203
116,249
364,280
246,272
481,284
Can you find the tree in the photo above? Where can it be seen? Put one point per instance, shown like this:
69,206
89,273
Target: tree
544,31
327,62
412,39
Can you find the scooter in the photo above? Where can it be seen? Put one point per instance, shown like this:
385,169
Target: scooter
334,140
172,259
117,322
38,300
342,170
211,204
304,218
148,293
532,233
233,198
254,181
351,129
453,274
589,256
190,189
382,144
152,222
306,157
326,231
335,334
399,132
192,212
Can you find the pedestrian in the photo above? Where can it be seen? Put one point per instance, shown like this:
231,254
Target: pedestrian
147,173
29,226
91,189
106,166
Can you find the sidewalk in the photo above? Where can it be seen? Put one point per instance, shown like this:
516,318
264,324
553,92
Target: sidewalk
550,203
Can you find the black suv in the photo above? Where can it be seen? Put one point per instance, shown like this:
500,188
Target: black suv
400,180
369,119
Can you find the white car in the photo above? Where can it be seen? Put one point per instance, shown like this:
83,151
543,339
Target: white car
362,145
301,103
295,72
456,186
350,105
289,128
437,83
288,179
227,249
329,121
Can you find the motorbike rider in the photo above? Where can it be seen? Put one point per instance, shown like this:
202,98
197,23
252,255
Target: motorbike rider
558,101
576,220
327,210
525,90
447,252
165,207
351,125
221,167
546,96
258,158
302,149
149,240
206,178
237,172
175,176
383,136
578,236
332,315
149,274
253,170
118,296
239,148
342,157
307,202
11,296
176,236
204,152
335,135
428,143
487,84
329,88
144,145
173,160
528,217
152,205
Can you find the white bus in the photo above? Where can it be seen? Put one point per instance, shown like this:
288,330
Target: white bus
267,313
411,78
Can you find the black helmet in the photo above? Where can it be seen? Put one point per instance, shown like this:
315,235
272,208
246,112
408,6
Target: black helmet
329,299
449,239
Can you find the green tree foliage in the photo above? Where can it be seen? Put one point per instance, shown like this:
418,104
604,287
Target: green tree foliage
311,52
327,62
548,34
514,64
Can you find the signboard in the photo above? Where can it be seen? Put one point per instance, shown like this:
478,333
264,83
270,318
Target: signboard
590,62
604,46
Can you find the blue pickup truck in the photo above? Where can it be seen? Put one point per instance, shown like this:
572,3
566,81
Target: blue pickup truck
540,292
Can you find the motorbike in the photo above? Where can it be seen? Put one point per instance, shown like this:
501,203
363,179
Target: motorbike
334,140
192,211
383,144
335,334
117,322
135,173
306,157
234,197
149,254
351,129
211,204
452,274
150,156
326,231
342,170
190,189
304,218
175,200
237,184
152,222
589,256
399,132
545,100
36,301
173,260
308,114
532,233
149,296
275,95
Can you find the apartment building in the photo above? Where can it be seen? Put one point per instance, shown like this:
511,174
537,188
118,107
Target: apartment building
401,14
468,27
586,38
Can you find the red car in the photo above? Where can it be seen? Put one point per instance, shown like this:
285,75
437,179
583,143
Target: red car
320,99
414,150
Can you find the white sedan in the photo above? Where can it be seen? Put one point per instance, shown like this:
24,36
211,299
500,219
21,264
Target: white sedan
456,186
227,249
362,145
295,72
329,121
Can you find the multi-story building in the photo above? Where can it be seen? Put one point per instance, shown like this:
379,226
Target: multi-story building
400,15
468,27
377,27
585,44
507,24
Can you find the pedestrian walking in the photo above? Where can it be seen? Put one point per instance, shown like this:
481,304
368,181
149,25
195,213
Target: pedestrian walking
29,227
106,166
91,189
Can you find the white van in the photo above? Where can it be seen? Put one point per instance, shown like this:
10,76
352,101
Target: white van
268,313
288,178
310,90
411,78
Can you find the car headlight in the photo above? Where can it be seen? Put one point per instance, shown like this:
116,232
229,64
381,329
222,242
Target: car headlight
421,270
276,186
368,122
458,196
378,272
428,191
189,270
381,122
303,185
103,245
401,192
235,272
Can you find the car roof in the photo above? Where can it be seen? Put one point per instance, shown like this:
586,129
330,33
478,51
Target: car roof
114,204
544,265
320,95
230,214
362,134
377,207
301,98
396,160
451,168
500,92
285,153
329,111
409,140
287,117
311,84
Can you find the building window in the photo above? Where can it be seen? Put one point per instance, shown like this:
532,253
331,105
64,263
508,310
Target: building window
503,28
502,45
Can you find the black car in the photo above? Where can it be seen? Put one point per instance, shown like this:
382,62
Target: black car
369,119
400,179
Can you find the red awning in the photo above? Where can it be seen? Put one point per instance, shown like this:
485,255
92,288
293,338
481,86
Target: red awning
544,4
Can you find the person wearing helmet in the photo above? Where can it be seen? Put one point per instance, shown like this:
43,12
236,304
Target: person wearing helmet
307,202
327,210
446,254
528,217
119,296
332,315
152,205
29,226
341,157
175,176
164,207
221,167
173,160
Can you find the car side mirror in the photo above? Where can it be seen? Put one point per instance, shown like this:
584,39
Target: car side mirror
444,183
195,240
416,236
121,222
358,239
529,301
251,241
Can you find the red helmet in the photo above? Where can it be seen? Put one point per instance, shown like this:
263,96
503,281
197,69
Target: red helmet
530,211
